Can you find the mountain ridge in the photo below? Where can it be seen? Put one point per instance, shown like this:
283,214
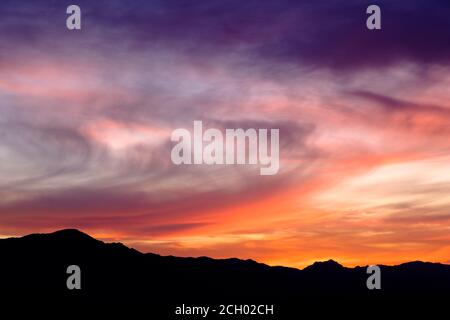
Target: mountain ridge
72,234
35,267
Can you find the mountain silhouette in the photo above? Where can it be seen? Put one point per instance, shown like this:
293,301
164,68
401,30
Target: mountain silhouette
329,265
34,267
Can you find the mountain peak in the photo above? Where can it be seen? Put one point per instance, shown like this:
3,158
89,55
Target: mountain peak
70,232
325,265
63,235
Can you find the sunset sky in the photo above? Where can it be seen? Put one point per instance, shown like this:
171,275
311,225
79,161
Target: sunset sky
364,116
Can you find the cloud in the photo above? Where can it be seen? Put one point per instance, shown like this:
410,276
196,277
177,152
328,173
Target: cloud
329,35
85,121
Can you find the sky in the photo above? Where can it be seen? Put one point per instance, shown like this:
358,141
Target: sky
364,117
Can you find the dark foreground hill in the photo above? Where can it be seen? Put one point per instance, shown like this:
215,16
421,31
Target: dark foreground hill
34,268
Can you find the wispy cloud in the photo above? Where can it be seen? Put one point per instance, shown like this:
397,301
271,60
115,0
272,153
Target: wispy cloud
85,123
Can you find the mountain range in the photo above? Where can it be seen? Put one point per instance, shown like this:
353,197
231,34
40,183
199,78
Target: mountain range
34,267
